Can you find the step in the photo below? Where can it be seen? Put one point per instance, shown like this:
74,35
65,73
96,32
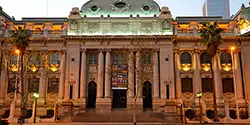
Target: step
123,116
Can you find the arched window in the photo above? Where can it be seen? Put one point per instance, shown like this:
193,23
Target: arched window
13,59
34,59
205,58
186,58
55,58
225,58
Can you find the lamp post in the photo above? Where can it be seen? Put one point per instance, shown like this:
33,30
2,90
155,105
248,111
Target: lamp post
235,85
199,94
17,51
36,96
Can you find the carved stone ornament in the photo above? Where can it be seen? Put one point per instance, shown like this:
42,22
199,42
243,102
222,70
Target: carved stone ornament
146,9
73,25
120,28
93,28
120,5
75,14
165,13
94,9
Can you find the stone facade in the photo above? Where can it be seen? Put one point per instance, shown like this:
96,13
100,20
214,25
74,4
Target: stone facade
105,62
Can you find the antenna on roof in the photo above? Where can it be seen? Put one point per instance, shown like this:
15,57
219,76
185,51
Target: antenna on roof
47,8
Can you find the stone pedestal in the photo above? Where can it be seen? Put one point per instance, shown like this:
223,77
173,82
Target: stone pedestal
130,105
156,104
82,104
221,109
40,101
170,107
66,114
103,104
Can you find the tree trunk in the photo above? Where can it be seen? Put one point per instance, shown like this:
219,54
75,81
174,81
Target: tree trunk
22,91
134,111
214,90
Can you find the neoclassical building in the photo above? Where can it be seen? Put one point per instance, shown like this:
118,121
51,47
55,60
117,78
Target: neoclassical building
105,54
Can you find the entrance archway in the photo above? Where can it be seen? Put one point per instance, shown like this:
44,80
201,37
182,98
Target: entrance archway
147,95
119,98
91,95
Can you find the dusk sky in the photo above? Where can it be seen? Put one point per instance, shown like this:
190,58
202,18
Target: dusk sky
61,8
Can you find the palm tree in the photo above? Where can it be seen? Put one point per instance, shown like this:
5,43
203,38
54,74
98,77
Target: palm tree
20,40
211,37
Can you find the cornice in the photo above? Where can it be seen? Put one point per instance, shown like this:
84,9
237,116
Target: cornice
47,39
197,38
151,37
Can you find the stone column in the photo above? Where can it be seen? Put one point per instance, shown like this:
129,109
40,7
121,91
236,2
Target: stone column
42,85
131,71
177,75
3,82
62,76
156,75
197,75
100,75
139,86
107,75
218,80
83,80
237,75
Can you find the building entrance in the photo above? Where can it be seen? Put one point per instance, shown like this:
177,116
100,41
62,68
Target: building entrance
147,95
119,99
91,95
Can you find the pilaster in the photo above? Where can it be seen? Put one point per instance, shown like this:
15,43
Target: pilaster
62,77
83,80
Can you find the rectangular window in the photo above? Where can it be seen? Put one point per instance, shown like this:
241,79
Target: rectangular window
92,58
167,92
53,86
147,58
119,59
11,84
207,85
228,85
187,85
33,84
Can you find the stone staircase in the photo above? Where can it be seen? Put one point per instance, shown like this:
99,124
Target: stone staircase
123,116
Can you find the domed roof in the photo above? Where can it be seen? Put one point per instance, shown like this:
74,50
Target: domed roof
120,8
245,14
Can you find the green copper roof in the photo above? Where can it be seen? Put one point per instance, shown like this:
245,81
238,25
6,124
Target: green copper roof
120,8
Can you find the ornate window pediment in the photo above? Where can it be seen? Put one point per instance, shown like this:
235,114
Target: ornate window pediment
120,5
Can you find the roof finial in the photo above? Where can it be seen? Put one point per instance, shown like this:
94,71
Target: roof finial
243,6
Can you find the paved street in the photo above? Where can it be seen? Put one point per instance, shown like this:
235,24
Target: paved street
140,123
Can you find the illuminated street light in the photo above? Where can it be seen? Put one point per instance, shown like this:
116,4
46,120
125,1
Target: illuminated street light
36,96
199,94
17,51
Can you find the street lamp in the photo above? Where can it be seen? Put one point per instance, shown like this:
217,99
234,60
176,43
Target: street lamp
17,51
235,90
35,96
199,94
